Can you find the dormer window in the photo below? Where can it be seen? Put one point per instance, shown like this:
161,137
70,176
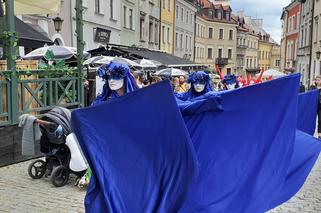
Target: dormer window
228,16
219,14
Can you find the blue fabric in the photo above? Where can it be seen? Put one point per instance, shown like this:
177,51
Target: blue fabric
307,111
249,155
305,153
114,68
245,148
140,153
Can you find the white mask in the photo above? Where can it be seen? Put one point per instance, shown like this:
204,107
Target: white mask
116,84
199,87
230,86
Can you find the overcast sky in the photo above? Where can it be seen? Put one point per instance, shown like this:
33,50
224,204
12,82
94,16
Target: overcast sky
269,10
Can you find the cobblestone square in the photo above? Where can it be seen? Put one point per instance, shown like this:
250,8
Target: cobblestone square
19,193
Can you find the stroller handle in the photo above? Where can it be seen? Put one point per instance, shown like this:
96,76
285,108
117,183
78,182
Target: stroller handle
44,123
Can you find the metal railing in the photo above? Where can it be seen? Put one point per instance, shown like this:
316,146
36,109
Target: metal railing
37,93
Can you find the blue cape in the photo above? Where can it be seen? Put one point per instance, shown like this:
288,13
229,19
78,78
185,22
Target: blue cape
307,110
141,161
249,154
113,67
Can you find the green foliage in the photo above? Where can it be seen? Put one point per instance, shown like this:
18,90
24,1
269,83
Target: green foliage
54,68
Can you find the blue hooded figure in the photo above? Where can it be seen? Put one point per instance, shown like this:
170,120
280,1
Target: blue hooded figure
230,82
118,81
200,85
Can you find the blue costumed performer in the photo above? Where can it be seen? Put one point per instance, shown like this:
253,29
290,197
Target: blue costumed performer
118,81
200,85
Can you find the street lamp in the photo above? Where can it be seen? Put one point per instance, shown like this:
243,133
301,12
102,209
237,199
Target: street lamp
318,54
58,23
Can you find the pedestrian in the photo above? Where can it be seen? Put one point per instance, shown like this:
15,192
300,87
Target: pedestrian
183,87
175,84
302,87
318,86
313,85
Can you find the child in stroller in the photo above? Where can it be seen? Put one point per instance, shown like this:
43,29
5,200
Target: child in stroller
60,147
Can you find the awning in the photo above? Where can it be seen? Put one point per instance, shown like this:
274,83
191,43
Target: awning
27,36
33,7
140,53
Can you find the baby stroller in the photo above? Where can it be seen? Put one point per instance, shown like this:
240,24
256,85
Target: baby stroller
60,146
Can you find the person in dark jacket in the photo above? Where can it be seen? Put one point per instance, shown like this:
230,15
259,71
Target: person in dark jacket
302,87
318,86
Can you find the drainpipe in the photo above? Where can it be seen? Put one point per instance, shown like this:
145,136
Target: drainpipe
311,38
194,49
160,25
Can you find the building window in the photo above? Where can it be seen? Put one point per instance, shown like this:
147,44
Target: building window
186,16
169,5
182,14
247,63
251,63
176,40
254,64
111,9
163,34
221,34
228,71
164,4
210,32
229,53
156,34
168,33
176,12
209,53
125,16
150,32
131,26
220,53
181,41
97,6
190,43
191,19
141,28
230,35
186,42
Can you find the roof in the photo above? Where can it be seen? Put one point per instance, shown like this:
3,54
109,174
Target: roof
28,36
140,53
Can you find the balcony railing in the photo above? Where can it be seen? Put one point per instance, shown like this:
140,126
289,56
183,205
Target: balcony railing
221,61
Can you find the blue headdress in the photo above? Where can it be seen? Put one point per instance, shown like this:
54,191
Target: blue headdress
194,78
230,79
117,70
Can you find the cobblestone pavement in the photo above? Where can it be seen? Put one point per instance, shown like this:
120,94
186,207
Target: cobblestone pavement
19,193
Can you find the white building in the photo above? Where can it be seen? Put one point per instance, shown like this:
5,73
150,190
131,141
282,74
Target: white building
184,29
304,40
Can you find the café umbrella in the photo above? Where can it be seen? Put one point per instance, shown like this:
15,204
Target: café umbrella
58,52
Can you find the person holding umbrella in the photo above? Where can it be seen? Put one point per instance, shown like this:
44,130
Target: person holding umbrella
200,85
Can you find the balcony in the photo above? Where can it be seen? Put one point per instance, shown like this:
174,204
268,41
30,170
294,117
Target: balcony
221,61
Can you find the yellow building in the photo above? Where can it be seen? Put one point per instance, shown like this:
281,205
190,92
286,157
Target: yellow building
265,54
167,25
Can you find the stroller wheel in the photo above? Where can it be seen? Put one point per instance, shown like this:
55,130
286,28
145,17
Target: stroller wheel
59,176
37,169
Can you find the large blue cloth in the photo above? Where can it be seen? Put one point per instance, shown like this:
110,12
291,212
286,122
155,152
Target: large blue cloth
249,154
307,111
245,147
140,153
